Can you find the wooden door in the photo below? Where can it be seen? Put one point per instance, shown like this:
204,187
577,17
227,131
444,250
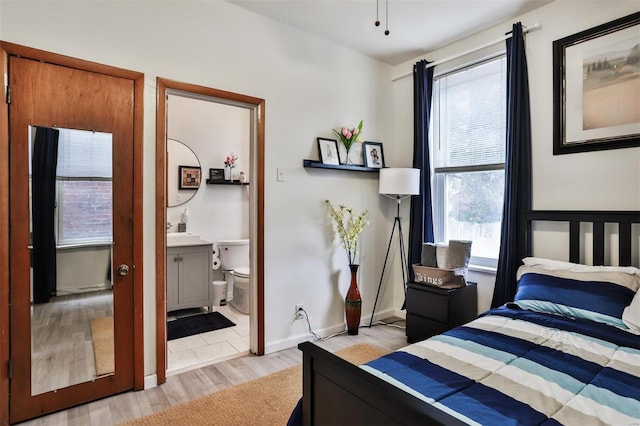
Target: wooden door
49,95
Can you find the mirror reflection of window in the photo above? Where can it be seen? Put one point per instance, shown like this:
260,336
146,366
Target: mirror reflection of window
84,183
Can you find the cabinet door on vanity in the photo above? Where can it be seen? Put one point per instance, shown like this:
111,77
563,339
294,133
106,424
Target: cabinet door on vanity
188,276
195,272
173,266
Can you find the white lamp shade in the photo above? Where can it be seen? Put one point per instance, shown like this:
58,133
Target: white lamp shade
399,181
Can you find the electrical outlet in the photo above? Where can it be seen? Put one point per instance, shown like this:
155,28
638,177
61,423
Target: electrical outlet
299,314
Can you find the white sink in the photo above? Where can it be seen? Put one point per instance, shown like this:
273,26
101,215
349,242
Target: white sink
182,238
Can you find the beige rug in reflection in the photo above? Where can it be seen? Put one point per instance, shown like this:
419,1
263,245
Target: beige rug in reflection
103,349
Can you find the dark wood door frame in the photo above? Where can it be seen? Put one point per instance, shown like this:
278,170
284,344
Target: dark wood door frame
9,49
257,183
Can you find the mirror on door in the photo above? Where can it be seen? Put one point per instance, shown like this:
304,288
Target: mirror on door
71,237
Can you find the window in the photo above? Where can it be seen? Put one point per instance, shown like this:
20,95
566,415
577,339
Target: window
468,151
84,187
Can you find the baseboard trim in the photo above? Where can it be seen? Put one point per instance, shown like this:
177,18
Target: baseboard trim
328,331
150,381
400,314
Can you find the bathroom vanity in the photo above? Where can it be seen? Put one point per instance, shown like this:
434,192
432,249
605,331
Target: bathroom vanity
189,274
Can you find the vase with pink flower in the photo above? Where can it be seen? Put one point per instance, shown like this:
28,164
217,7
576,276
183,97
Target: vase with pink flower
348,136
229,163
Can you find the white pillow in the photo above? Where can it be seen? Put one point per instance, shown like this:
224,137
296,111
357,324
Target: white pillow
556,265
631,315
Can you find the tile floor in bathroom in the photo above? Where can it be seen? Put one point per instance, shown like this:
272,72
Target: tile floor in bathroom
203,349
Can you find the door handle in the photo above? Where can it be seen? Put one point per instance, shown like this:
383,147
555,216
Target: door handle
123,269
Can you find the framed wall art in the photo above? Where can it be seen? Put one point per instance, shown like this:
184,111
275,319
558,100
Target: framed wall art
373,155
216,175
596,88
189,176
328,149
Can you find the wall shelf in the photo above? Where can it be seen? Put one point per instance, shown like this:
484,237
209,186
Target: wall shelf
353,167
226,182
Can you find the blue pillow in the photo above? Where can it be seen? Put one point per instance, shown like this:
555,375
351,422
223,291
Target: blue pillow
591,300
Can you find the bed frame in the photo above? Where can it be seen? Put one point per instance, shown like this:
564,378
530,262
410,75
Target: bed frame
338,392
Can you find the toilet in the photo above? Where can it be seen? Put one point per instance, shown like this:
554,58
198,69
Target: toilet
234,258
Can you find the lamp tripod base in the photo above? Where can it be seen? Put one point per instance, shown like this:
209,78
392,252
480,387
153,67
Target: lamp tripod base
403,260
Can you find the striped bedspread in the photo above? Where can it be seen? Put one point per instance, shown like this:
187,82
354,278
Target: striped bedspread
523,368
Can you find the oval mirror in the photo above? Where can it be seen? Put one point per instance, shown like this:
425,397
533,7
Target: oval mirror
184,173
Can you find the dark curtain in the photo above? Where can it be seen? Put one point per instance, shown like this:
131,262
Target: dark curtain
43,170
421,216
517,175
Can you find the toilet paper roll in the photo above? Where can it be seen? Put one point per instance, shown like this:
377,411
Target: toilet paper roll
215,262
216,250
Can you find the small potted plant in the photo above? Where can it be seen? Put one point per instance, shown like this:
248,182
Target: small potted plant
229,163
348,137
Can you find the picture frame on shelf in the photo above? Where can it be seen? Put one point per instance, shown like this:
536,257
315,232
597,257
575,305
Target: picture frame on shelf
328,151
373,155
216,175
596,88
189,177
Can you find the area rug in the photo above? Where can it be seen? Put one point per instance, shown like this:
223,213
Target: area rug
196,324
268,400
103,349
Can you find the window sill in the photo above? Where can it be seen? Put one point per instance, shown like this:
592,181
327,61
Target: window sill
83,245
483,269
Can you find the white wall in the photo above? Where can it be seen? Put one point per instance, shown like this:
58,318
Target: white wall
605,180
212,130
81,269
310,86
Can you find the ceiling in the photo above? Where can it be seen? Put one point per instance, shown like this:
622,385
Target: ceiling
416,26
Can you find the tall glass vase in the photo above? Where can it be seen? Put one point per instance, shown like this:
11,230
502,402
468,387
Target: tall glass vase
353,303
347,160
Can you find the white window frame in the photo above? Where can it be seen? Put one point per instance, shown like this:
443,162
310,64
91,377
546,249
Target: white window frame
439,174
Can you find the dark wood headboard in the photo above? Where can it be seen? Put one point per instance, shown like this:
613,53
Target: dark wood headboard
598,219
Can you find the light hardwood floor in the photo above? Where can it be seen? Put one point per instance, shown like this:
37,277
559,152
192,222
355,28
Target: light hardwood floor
190,385
61,345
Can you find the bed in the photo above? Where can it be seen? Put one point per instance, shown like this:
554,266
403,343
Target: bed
565,351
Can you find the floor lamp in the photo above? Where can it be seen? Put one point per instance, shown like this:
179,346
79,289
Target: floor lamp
398,184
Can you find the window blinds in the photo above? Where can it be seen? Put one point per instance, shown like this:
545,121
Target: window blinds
469,110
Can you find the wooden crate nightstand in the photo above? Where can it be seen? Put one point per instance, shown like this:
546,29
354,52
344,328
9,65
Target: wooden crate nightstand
433,310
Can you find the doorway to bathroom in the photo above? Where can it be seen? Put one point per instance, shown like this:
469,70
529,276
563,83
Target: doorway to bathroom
198,205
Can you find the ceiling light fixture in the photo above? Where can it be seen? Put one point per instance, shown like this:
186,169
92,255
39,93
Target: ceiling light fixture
377,23
386,31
